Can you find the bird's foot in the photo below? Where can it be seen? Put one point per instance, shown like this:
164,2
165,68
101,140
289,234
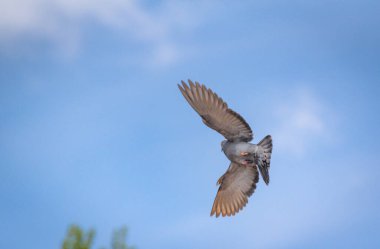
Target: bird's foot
247,162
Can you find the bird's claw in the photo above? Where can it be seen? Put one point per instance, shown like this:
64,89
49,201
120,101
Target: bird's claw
247,162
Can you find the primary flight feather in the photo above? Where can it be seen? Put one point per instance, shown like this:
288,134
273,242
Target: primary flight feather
239,181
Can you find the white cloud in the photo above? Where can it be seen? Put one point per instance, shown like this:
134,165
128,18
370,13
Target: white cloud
302,119
61,21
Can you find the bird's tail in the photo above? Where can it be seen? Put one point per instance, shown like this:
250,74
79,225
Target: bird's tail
264,158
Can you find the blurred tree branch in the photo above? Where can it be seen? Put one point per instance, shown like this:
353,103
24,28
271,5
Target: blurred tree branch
119,238
77,238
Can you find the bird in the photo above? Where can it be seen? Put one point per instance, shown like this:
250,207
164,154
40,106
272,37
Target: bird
238,183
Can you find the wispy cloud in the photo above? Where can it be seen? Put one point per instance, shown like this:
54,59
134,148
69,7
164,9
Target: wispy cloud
158,28
302,119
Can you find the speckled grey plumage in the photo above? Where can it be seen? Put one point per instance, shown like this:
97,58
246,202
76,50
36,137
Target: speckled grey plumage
239,181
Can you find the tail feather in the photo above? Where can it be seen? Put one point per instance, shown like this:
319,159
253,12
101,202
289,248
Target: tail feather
264,159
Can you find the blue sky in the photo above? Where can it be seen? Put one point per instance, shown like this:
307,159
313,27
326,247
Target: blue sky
94,131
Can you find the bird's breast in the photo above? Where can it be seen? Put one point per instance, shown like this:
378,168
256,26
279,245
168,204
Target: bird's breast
233,151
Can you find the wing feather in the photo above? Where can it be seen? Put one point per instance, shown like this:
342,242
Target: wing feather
237,184
215,112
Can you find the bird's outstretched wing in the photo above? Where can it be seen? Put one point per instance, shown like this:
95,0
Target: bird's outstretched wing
236,185
215,112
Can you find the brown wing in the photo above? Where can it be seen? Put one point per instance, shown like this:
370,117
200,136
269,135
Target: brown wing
215,112
236,185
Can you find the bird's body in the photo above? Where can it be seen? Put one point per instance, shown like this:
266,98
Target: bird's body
239,181
240,152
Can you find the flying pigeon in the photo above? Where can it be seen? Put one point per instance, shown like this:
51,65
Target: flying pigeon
239,181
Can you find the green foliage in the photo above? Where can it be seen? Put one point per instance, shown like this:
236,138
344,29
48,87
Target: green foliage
76,238
119,238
